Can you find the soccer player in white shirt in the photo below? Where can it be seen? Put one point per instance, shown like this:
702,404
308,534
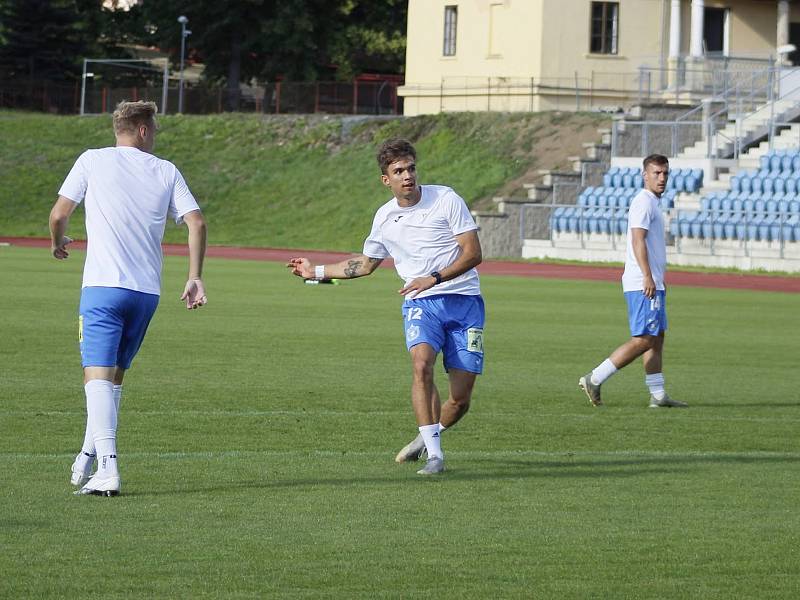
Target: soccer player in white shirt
433,239
644,289
128,193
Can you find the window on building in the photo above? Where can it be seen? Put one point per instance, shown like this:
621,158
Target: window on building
495,29
450,27
715,27
605,28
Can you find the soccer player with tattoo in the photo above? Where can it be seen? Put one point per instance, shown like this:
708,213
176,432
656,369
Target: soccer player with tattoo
433,239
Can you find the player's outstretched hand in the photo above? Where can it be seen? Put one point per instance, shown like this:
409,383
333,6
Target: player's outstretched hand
301,267
60,251
415,286
194,294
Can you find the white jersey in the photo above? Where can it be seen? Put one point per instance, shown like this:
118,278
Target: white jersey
645,213
129,194
421,238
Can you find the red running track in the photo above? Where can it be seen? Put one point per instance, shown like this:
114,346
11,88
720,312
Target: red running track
488,267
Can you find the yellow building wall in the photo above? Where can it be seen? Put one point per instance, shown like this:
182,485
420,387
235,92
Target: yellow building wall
525,54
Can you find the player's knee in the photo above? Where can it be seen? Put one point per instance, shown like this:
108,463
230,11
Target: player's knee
422,369
461,402
646,342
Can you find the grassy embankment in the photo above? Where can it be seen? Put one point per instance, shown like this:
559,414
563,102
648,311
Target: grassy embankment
294,181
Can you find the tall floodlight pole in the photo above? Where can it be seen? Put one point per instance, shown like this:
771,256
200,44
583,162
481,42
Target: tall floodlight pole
184,32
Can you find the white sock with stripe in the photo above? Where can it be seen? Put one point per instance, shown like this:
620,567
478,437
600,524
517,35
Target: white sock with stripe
102,418
430,434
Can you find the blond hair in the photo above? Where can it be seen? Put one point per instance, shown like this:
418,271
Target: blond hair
129,116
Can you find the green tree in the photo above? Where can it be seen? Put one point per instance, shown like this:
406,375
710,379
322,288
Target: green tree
299,40
48,39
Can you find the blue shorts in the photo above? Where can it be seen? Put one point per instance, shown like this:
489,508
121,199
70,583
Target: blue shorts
647,316
111,325
451,324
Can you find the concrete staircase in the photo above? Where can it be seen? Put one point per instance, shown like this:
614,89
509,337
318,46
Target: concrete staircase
750,128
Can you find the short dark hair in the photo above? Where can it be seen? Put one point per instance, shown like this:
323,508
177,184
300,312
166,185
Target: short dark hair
654,159
394,150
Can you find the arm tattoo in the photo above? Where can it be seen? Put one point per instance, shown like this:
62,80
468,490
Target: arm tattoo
352,268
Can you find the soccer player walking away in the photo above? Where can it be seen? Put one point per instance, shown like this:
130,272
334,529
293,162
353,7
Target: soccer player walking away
128,195
430,234
645,293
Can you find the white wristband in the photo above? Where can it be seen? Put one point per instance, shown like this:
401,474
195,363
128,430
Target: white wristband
319,272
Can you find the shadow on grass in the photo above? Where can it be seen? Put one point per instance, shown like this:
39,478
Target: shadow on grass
501,469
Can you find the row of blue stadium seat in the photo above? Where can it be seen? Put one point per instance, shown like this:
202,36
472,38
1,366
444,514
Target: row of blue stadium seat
617,197
569,219
610,201
777,196
707,225
758,205
760,181
682,180
778,161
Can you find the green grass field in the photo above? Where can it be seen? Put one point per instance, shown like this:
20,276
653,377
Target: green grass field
257,438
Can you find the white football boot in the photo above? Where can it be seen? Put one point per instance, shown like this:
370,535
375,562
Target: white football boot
82,469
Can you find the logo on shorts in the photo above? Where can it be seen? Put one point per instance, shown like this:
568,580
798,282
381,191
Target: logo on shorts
412,333
652,325
475,339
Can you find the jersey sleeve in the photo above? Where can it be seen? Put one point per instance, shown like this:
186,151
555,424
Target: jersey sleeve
77,181
640,215
373,245
182,200
458,214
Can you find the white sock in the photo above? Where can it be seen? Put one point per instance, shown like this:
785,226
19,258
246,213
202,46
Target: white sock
430,433
441,428
603,371
102,417
88,440
656,384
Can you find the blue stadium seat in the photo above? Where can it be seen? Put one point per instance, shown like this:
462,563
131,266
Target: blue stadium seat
729,226
764,162
627,180
786,162
796,163
745,184
572,220
765,228
774,162
770,207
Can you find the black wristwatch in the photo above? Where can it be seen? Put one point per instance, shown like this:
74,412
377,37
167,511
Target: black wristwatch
437,276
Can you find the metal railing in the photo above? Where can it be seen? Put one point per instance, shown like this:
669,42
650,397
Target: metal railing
744,228
354,97
728,121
